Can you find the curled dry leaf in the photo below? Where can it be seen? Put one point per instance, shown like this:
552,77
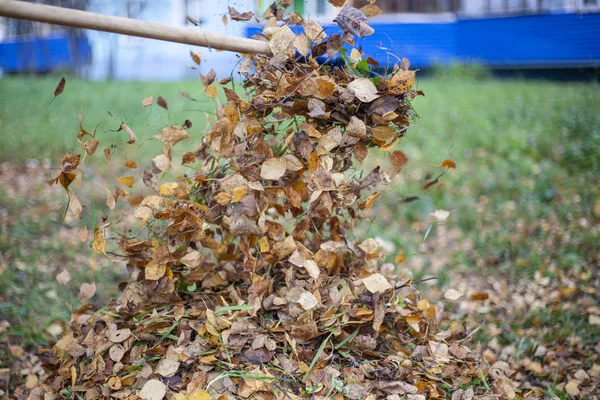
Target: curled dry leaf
354,21
172,135
237,16
132,136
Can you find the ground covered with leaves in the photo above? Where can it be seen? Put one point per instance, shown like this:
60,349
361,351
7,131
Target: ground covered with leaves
262,270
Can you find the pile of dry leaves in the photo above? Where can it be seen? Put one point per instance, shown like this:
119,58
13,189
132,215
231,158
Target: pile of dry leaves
243,279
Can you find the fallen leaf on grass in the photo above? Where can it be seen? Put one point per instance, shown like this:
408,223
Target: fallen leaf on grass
452,294
87,291
153,390
273,168
63,277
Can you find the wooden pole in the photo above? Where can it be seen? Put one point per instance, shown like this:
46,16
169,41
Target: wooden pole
131,27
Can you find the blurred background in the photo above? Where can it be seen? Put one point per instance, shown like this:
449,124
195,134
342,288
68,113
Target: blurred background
511,96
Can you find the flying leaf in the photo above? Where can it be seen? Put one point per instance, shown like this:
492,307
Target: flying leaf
354,21
282,42
237,16
448,164
148,101
162,102
313,31
132,136
196,56
126,180
172,135
363,89
130,164
59,88
337,3
371,10
98,243
209,78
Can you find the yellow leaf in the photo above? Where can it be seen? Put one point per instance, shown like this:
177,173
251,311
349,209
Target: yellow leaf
98,244
263,244
167,189
238,193
449,164
154,271
211,91
127,180
130,164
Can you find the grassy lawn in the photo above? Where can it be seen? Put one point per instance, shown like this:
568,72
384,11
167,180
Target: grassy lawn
524,205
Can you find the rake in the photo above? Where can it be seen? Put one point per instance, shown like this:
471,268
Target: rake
127,26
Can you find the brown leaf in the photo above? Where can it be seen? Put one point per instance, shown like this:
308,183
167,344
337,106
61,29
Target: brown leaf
171,135
337,3
59,88
162,102
188,158
87,291
130,163
196,56
209,78
132,136
354,21
313,31
282,42
237,16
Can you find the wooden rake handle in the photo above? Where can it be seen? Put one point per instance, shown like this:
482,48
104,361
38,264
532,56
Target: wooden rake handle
131,27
